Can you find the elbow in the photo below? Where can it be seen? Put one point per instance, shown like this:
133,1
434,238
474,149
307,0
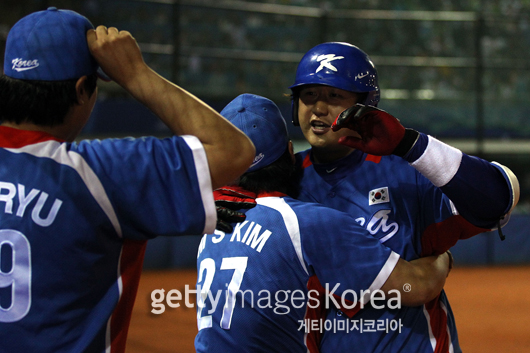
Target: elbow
422,298
431,294
513,185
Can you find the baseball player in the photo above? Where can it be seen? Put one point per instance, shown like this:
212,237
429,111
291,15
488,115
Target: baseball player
75,217
440,199
253,282
401,179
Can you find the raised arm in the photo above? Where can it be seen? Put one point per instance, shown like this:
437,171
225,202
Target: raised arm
459,176
229,151
419,281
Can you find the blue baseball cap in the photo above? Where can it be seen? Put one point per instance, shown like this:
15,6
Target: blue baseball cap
261,120
50,45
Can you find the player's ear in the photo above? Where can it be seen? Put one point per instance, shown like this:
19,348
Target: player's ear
81,92
291,151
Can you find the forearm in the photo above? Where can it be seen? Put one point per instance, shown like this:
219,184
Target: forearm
229,151
180,110
419,281
481,191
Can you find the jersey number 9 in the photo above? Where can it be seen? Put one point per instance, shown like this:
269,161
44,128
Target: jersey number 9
15,275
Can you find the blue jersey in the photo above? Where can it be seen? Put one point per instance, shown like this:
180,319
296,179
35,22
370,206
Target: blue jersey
410,215
74,220
253,283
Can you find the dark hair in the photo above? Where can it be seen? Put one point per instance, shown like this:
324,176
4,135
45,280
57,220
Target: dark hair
278,176
43,103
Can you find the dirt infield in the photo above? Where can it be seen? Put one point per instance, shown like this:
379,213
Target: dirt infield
491,306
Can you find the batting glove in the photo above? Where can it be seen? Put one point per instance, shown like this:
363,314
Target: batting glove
228,200
381,134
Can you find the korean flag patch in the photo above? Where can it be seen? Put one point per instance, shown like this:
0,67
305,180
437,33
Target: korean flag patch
377,196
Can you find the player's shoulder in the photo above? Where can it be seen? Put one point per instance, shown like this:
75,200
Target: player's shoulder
302,209
323,229
111,142
120,148
303,159
391,166
390,160
316,214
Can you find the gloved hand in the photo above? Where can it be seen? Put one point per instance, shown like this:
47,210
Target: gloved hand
380,132
228,200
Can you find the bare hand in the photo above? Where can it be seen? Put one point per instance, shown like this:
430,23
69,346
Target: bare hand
116,52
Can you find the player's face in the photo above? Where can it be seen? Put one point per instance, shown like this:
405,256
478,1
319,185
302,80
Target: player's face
318,107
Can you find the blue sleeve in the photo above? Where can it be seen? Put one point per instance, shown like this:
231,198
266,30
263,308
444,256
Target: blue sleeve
480,191
155,186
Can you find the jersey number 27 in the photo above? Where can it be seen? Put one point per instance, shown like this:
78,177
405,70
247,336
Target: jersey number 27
207,266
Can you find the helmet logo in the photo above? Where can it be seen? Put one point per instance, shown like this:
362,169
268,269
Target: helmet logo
325,61
360,76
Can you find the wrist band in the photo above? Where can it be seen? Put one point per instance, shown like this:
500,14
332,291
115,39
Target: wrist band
406,143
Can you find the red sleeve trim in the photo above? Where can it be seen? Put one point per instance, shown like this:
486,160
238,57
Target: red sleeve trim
314,337
440,237
437,316
131,263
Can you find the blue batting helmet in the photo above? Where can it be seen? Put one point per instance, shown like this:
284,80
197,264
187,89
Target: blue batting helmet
340,65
